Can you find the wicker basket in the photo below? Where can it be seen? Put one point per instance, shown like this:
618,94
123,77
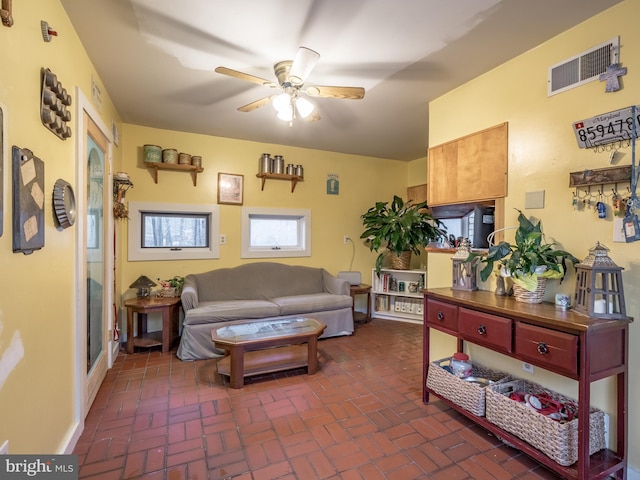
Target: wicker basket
524,295
402,261
467,395
557,440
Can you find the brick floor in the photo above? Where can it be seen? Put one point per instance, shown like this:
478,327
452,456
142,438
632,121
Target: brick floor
361,417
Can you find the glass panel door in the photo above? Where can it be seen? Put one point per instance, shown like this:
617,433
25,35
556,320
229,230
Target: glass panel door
96,256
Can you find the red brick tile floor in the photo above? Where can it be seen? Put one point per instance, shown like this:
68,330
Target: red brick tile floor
360,417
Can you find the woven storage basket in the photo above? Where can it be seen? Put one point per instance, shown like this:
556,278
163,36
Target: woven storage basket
467,395
557,440
524,295
402,261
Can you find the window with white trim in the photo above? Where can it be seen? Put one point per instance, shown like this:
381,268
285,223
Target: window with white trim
275,232
169,231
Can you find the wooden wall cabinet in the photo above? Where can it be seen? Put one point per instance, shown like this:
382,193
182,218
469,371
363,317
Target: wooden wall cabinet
469,169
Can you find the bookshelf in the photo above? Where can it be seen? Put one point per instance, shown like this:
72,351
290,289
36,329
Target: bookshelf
395,294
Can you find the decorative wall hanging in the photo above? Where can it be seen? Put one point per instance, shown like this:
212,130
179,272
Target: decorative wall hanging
230,188
28,201
64,203
611,77
47,31
53,105
6,13
121,183
605,128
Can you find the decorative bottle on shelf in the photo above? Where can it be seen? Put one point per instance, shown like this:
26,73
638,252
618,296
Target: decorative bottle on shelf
299,171
264,163
278,164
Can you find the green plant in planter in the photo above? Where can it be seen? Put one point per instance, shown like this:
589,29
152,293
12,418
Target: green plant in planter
527,259
399,227
176,282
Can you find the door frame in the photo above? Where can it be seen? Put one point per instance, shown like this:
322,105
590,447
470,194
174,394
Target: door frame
82,403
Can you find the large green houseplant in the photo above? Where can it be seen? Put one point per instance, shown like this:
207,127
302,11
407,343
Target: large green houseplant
399,227
529,258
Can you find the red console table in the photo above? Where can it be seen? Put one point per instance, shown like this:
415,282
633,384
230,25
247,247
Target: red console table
581,348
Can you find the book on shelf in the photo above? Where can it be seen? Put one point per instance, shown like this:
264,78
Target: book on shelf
382,303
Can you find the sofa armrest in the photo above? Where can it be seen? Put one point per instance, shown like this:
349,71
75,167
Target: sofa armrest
335,285
189,294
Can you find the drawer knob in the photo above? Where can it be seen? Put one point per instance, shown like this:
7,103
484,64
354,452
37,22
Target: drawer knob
482,330
440,316
542,348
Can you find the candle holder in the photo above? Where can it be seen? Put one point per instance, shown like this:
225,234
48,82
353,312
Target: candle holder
464,272
599,290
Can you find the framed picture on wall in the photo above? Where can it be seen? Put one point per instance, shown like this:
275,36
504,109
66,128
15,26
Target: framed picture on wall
230,188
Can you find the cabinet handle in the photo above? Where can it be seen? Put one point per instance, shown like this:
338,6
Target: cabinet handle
542,348
482,330
440,316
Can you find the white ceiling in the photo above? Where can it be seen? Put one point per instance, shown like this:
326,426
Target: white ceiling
157,60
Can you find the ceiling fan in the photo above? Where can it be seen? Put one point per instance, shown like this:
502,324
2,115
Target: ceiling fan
291,76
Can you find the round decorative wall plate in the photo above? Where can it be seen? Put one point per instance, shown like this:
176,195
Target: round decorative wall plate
64,203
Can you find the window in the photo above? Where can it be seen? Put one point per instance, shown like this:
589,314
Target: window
273,232
168,231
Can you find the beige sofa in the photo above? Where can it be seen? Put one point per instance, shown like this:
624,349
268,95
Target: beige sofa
259,291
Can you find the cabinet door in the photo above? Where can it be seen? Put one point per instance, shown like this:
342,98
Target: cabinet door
442,174
470,169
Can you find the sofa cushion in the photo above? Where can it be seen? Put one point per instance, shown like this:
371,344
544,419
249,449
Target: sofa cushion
315,302
258,281
221,311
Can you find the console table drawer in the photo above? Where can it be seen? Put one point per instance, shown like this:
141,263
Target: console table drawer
442,315
556,351
486,329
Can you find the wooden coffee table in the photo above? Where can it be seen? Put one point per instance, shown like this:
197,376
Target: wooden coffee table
250,347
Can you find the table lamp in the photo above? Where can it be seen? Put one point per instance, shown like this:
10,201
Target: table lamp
143,284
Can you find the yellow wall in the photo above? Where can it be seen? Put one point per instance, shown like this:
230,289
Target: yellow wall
363,181
542,152
37,299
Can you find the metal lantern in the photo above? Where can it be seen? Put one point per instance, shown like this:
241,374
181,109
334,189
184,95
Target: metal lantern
599,291
464,272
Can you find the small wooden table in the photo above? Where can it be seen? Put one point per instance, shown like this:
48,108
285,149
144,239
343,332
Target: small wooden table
362,289
168,306
249,347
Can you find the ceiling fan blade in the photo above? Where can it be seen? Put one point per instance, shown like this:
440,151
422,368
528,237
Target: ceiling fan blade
245,76
257,104
353,93
302,65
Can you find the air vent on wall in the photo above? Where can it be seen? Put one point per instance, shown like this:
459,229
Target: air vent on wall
582,68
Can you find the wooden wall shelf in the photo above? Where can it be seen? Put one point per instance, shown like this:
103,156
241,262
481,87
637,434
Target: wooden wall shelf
155,166
600,176
294,179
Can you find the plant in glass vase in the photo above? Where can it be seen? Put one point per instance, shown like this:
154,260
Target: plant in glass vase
529,261
402,228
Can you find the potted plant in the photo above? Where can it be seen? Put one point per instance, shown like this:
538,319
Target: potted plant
529,261
402,228
172,287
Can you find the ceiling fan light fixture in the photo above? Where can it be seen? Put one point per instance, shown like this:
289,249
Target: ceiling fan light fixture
282,102
304,107
286,114
302,65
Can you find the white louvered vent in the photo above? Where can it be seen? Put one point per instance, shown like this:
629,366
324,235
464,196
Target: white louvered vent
583,68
